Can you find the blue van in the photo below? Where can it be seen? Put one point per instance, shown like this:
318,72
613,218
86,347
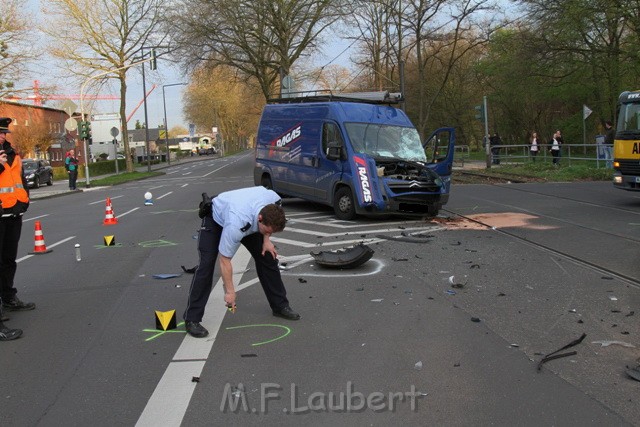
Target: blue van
354,152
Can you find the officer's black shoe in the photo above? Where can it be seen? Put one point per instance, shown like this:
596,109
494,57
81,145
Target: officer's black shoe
287,313
14,304
196,330
7,334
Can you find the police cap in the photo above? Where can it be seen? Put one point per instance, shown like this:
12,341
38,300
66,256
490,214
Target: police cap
4,124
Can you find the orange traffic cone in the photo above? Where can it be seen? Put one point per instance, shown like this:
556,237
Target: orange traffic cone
39,246
109,219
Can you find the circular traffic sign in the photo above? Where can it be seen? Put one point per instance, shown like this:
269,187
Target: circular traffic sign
114,131
71,124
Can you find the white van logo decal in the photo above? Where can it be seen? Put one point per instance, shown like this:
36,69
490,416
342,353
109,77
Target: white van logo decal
290,136
365,184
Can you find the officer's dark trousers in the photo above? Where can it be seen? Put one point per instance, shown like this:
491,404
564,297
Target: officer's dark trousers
202,283
10,229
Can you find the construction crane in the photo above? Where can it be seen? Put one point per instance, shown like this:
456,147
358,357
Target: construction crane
38,99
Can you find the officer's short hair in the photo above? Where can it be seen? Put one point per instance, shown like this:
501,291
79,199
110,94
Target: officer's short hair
273,216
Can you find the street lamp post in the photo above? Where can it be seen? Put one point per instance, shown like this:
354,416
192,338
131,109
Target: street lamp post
146,121
166,126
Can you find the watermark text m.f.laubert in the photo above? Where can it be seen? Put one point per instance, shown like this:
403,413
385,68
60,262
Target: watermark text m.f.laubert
234,399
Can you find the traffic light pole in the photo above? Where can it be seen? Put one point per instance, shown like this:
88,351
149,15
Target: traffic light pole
86,162
486,131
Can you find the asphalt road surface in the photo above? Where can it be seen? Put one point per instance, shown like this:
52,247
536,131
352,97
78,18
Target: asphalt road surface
444,325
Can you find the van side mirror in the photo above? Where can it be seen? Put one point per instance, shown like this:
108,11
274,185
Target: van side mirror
334,150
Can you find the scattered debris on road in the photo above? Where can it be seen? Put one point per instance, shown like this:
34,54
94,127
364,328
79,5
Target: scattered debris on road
344,258
554,355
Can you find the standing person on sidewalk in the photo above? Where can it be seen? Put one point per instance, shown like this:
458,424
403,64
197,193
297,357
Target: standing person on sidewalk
248,217
71,165
555,144
14,201
534,146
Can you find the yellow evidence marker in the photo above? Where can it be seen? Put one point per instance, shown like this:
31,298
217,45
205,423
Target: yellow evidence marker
109,240
165,320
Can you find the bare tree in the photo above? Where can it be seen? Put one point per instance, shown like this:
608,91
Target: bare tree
260,38
106,37
15,45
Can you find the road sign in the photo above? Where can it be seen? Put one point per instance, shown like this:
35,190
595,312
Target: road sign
71,124
192,130
114,131
69,106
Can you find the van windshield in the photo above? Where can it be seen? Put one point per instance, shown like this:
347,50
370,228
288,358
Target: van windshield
386,141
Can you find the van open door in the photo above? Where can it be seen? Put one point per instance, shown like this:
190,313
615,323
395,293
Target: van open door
439,149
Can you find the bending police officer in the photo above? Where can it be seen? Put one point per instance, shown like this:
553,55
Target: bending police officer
247,217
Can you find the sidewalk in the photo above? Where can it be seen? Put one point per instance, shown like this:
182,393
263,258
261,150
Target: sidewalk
61,187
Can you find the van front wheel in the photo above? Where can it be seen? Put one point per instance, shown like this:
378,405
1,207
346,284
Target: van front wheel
266,182
344,205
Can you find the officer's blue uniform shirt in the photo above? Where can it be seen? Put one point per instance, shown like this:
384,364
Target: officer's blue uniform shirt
237,212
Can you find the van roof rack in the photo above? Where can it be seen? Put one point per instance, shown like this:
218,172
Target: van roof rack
380,97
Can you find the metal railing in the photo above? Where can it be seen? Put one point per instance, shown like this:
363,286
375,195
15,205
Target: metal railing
597,153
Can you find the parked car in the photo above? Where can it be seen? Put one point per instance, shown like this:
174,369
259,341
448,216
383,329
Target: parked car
37,172
207,151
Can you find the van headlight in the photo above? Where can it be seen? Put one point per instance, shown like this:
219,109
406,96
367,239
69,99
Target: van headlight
31,175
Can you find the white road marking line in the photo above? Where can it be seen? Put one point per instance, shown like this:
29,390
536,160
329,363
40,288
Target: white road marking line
127,212
34,218
50,246
187,173
184,185
170,400
164,195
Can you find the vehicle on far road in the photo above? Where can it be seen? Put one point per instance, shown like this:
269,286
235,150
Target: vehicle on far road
207,151
37,172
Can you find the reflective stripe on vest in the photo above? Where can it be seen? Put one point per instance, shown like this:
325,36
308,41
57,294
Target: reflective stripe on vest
6,190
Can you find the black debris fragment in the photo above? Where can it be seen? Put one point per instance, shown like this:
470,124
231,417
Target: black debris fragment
458,285
195,379
189,270
502,294
554,355
616,311
249,355
631,313
625,332
408,239
456,243
361,288
475,319
344,258
607,278
634,372
399,259
580,321
301,280
475,266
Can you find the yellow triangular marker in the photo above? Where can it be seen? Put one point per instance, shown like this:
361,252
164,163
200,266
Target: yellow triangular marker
165,320
109,240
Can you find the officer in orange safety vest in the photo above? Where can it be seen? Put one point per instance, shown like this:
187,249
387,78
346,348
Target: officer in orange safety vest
14,199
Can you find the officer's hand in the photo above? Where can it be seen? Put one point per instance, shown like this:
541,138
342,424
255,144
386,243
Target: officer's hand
3,157
267,246
230,299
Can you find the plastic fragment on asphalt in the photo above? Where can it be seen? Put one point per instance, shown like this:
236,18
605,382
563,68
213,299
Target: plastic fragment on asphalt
195,379
418,366
450,292
475,319
166,276
301,280
377,300
613,298
344,258
607,343
249,355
